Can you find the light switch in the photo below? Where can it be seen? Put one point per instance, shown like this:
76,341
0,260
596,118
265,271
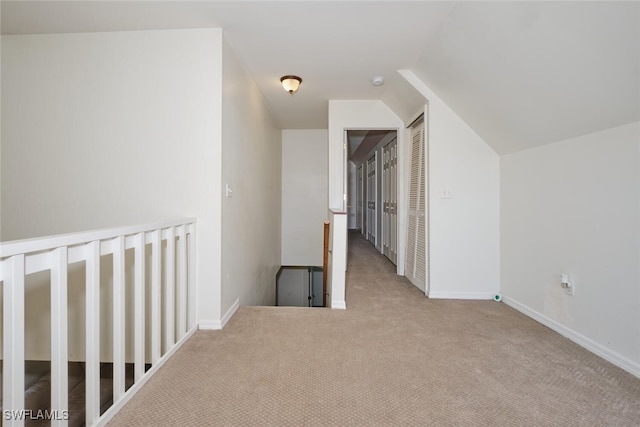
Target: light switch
446,193
228,192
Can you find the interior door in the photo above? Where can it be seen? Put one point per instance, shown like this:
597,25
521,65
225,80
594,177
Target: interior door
359,199
386,189
416,263
390,198
371,199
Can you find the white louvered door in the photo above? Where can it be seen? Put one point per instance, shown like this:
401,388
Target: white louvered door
371,199
393,202
389,197
359,199
416,264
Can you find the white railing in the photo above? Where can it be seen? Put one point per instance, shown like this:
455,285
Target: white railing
172,284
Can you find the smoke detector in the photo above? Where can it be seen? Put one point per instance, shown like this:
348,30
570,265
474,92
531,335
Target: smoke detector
378,81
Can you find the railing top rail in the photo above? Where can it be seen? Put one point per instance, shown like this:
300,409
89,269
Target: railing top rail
336,211
38,244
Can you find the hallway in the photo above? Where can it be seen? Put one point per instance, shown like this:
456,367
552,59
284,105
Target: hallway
393,357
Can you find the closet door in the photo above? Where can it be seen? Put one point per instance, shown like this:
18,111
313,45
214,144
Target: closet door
389,197
393,201
359,199
371,199
416,265
386,222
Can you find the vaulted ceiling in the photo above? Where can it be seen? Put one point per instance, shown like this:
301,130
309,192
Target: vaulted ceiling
521,74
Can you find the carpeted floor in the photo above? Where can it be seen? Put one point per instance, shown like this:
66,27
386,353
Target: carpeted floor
392,358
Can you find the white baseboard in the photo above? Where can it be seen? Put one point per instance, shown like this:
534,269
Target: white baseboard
115,408
209,325
598,349
461,295
339,305
229,314
215,325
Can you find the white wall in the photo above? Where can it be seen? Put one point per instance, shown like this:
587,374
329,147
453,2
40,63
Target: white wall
251,166
304,196
464,230
107,129
402,98
574,207
337,260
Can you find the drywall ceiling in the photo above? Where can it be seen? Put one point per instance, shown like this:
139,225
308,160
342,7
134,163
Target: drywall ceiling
336,47
521,74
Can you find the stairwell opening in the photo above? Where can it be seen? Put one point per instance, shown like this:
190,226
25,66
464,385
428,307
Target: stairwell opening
299,286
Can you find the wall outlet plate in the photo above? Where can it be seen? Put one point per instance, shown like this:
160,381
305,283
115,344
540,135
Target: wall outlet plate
570,290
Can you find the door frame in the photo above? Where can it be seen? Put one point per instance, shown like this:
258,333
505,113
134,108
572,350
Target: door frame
401,176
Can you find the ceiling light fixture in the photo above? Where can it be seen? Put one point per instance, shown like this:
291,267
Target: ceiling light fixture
377,81
290,83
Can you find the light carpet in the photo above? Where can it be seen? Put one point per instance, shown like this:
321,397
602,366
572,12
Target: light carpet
393,358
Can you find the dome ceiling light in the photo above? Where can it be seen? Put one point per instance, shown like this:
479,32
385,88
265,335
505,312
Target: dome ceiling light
290,83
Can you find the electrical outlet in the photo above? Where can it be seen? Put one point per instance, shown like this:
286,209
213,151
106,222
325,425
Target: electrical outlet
570,290
567,285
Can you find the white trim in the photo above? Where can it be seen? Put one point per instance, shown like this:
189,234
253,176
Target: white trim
229,314
209,325
461,295
215,325
414,118
339,305
114,409
598,349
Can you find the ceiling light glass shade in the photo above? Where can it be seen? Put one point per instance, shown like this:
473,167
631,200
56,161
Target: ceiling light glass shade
291,83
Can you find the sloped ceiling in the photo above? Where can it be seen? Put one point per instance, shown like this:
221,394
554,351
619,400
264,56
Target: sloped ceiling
362,142
521,74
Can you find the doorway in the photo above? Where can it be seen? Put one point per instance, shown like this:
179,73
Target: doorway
372,157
